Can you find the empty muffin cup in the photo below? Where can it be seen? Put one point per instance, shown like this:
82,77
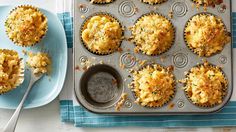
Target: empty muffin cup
100,86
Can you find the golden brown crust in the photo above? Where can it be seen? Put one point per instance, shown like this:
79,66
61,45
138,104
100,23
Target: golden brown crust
152,2
153,85
26,25
153,34
101,1
206,3
102,34
206,35
205,85
11,70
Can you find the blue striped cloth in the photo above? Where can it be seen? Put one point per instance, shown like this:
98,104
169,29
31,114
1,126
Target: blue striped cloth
82,118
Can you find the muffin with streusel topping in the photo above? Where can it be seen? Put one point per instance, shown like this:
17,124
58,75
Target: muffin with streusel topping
153,34
153,85
206,35
205,85
102,34
26,25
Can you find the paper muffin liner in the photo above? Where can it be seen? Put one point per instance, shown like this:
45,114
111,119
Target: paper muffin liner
174,32
83,28
101,3
194,49
37,10
206,105
20,72
156,104
155,3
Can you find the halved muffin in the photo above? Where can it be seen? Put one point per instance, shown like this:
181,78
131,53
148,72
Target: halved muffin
205,85
102,34
205,34
153,34
11,70
153,85
26,25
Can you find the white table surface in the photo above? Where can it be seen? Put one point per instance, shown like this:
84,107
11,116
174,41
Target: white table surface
47,119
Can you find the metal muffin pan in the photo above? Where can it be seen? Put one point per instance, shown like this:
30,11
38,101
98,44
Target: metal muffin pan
93,87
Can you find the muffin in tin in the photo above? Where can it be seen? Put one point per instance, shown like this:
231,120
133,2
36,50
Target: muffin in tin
26,25
205,85
40,62
101,1
152,2
206,3
11,70
102,34
153,85
153,34
206,35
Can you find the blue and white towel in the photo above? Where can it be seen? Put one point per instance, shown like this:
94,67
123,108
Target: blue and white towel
71,111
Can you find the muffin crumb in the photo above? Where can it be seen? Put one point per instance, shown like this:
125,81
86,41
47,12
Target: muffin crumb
121,101
39,62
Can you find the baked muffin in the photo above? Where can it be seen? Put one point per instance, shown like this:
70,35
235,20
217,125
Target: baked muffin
153,34
208,2
40,62
102,34
152,2
11,70
205,85
101,1
26,25
153,85
205,34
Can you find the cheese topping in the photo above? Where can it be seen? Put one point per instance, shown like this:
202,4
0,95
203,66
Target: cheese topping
206,34
102,34
205,85
153,86
10,70
26,25
153,34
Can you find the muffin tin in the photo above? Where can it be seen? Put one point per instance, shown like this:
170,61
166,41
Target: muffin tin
100,80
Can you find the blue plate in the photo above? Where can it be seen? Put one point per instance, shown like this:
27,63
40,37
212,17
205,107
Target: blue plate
48,88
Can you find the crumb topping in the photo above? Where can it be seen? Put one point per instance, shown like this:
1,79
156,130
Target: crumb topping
102,34
153,85
205,85
206,34
26,25
153,34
